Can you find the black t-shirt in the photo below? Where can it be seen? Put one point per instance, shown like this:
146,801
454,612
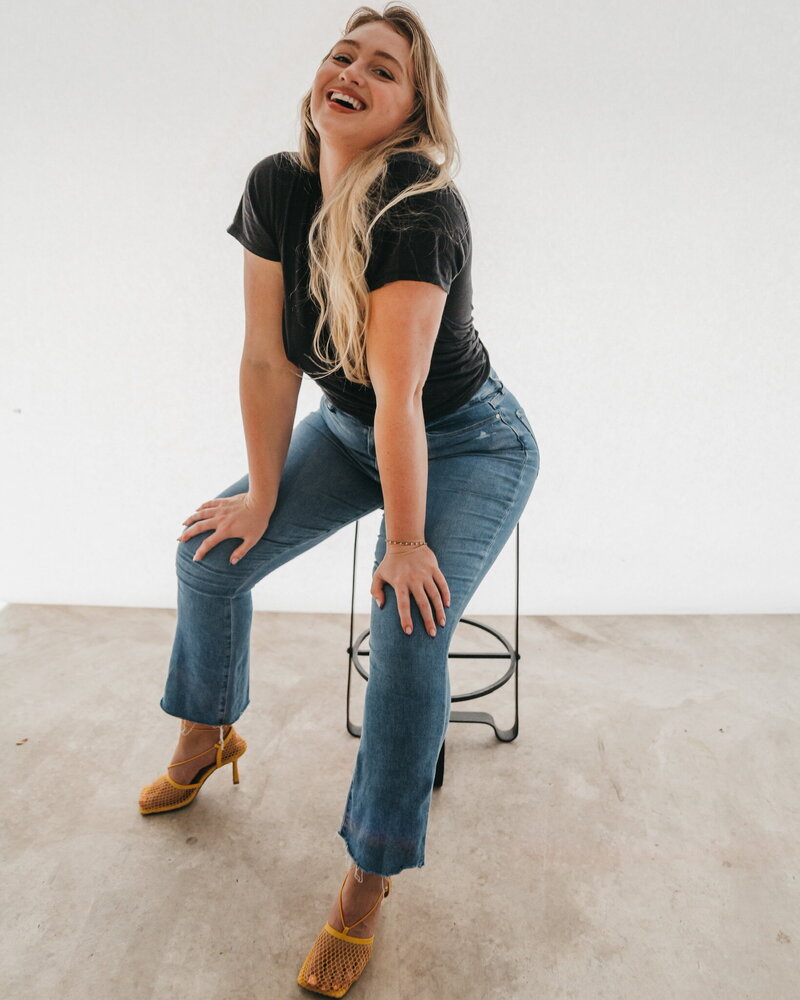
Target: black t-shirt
273,219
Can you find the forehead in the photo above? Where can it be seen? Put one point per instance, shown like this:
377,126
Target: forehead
379,37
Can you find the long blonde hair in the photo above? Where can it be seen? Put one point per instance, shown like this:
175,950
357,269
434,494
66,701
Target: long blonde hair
340,237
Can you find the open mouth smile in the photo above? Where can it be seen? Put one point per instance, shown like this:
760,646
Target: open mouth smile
344,102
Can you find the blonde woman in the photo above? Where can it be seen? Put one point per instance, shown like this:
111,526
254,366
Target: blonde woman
357,272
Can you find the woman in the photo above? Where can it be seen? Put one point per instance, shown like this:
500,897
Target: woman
357,272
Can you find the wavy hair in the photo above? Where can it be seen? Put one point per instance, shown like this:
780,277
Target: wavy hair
340,236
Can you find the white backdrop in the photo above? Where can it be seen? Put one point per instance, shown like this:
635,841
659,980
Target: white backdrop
631,175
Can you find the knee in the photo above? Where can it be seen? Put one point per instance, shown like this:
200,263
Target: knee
411,663
213,574
386,628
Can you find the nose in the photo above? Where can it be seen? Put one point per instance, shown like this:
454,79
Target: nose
351,72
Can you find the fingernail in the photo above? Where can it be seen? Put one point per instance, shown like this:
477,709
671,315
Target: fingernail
408,630
432,633
442,621
234,560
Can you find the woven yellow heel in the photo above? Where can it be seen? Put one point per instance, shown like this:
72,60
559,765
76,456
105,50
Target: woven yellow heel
337,959
166,795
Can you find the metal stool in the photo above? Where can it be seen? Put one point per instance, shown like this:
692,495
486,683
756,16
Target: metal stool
354,652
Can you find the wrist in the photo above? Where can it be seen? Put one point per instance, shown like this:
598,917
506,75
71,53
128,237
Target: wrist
399,546
261,502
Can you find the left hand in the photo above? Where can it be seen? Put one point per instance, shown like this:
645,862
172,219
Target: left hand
415,572
239,516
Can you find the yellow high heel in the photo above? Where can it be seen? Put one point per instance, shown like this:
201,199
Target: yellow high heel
166,795
337,959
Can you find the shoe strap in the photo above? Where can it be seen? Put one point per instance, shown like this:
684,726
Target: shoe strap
203,752
345,927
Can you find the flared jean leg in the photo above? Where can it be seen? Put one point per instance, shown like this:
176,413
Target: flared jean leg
477,490
483,461
324,487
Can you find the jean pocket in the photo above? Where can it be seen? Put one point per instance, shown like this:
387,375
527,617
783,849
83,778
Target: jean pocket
457,425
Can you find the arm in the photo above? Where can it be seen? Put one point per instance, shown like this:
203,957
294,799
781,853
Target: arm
404,319
268,388
269,383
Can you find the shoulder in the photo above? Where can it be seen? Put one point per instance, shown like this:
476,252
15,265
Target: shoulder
408,167
444,205
276,166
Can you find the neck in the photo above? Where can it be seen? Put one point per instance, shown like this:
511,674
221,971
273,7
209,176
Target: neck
333,161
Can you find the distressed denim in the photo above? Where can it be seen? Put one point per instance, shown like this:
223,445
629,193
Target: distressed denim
483,460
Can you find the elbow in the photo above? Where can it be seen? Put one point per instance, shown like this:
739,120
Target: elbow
397,400
399,390
270,365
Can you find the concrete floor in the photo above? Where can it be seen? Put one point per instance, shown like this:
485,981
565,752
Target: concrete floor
638,841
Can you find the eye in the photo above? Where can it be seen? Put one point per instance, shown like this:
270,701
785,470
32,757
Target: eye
341,55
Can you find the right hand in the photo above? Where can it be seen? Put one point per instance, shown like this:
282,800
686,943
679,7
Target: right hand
239,516
414,574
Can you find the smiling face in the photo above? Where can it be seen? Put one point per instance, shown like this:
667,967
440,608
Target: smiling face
372,65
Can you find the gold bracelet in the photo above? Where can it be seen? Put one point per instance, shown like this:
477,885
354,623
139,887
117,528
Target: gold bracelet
417,543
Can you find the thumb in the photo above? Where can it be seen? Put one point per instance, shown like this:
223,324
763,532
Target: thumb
377,590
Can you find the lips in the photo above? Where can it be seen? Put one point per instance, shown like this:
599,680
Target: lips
342,107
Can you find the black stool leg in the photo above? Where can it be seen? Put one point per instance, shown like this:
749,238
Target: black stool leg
439,777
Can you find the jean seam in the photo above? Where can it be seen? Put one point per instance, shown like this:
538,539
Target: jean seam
224,695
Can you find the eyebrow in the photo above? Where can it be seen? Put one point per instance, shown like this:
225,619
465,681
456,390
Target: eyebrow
378,52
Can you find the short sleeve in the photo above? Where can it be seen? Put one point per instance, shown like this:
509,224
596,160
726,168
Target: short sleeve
253,224
423,238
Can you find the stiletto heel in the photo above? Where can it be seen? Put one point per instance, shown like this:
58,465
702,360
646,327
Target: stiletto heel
166,795
337,959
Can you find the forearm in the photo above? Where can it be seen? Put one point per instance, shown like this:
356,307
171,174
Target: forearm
401,449
268,397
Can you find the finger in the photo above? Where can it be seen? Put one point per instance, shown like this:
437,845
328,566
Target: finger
197,516
404,610
205,546
196,529
206,508
376,590
425,610
241,551
441,583
432,590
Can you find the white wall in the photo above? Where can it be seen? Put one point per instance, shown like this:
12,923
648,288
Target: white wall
631,173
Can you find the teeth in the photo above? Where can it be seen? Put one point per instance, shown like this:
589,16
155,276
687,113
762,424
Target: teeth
354,102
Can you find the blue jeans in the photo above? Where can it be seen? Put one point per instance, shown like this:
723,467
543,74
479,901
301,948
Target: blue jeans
483,462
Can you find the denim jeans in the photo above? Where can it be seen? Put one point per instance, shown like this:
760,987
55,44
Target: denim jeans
483,460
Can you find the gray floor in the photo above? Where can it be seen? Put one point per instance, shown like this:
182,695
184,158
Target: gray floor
639,840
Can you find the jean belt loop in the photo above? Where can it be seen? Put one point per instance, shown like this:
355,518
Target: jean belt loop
491,385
